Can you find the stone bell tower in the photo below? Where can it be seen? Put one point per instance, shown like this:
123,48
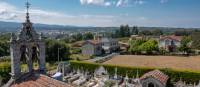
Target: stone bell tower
27,44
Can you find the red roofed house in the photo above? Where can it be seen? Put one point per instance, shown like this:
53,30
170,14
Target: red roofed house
92,47
170,43
154,79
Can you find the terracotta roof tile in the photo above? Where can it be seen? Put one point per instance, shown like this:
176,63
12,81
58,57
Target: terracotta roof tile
41,81
156,74
177,38
94,42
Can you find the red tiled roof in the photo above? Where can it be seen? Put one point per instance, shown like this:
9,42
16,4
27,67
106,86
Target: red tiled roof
40,81
94,42
156,74
177,38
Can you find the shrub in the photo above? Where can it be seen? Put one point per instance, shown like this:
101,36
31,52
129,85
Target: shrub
4,71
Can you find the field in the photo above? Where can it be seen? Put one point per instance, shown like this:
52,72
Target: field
173,62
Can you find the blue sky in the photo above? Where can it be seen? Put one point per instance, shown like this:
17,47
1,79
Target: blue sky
166,13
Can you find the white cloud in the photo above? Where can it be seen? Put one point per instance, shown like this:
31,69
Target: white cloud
140,2
128,3
163,1
95,2
7,11
117,3
121,2
11,13
107,3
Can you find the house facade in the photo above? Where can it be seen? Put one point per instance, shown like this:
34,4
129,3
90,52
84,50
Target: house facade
109,45
91,47
170,43
101,46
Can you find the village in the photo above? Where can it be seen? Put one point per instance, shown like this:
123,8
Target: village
120,57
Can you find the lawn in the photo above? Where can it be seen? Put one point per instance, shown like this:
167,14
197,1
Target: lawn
191,63
79,56
49,66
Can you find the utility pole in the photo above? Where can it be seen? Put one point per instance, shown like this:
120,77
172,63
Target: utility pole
58,54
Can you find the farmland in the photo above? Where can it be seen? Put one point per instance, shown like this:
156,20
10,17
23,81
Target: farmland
191,63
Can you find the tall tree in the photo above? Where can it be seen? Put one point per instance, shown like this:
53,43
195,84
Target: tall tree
127,31
183,32
135,30
185,45
157,32
52,48
124,31
88,36
145,32
196,40
149,46
77,37
134,46
117,34
121,31
4,44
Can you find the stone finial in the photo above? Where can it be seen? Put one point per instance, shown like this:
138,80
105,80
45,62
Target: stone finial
137,75
40,37
13,37
115,76
198,84
126,78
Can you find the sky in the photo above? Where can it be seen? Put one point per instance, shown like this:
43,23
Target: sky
105,13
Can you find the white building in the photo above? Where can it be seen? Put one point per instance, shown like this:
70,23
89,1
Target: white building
100,46
170,43
110,45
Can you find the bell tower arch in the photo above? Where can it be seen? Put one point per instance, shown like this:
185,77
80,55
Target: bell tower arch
26,44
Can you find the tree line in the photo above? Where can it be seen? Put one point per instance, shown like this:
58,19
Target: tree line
126,31
77,37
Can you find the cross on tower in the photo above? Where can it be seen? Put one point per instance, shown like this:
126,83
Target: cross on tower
27,5
27,11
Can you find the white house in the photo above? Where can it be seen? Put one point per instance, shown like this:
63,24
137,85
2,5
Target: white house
100,46
170,43
109,45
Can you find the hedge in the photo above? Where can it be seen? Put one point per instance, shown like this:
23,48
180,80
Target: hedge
5,69
175,75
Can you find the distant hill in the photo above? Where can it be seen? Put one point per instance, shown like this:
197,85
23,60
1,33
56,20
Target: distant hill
13,27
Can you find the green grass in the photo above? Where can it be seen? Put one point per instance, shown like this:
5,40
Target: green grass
79,56
124,39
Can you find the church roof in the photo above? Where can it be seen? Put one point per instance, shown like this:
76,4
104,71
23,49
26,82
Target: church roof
156,74
40,81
